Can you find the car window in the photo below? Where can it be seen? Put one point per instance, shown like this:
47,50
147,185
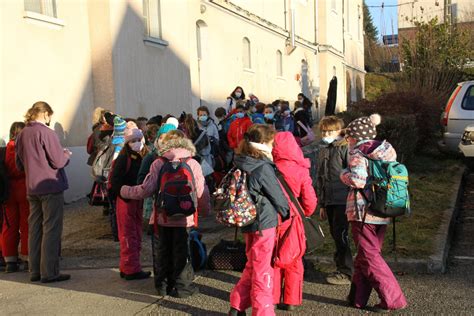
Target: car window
468,100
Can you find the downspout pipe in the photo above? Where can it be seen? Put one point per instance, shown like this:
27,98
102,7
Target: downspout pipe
291,42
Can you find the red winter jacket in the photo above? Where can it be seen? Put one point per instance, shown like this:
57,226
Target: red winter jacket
237,130
289,160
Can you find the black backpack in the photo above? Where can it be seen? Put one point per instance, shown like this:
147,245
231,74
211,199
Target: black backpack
3,176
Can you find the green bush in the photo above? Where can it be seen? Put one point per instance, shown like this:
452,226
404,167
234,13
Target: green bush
399,130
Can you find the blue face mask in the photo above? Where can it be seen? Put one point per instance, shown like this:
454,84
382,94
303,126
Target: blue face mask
269,116
203,118
239,115
328,140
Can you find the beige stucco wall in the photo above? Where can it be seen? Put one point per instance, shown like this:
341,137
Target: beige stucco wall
41,62
223,65
408,14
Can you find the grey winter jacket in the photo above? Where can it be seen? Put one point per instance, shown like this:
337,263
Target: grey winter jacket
263,187
332,159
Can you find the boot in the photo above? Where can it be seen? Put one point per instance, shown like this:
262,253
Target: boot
138,276
235,312
12,267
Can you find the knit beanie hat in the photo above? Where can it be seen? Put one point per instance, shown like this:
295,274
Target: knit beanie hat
119,130
165,129
364,128
173,120
132,133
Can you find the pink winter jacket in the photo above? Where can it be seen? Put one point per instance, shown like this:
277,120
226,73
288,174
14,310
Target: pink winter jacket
289,159
355,176
179,149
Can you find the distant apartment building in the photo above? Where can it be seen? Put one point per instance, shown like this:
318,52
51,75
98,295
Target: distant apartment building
148,57
453,12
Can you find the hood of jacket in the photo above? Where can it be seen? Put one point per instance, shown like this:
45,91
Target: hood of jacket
177,149
249,164
285,148
377,150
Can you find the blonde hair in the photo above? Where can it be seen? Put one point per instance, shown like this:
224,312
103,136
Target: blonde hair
257,133
331,123
97,115
37,108
173,135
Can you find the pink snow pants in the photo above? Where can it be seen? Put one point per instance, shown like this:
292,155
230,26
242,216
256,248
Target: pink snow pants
371,271
255,287
129,224
290,282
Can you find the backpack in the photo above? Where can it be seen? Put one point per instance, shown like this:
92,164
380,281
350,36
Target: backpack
103,163
176,195
232,201
388,181
197,250
201,142
3,176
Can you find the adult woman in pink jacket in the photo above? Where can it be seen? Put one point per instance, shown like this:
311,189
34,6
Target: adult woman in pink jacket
173,272
290,162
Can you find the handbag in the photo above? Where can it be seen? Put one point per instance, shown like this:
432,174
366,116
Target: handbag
313,231
228,255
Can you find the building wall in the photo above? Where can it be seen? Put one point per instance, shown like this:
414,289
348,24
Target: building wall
98,57
42,61
425,10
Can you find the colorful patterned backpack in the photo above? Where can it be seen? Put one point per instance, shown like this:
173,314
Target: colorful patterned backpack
232,201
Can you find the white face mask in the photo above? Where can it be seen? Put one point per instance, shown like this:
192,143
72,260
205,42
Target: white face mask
238,94
136,147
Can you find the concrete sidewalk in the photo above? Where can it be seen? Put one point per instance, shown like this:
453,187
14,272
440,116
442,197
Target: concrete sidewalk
102,292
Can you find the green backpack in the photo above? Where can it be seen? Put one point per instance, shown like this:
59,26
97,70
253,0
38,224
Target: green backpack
388,181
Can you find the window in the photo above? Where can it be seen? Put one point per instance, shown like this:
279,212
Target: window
279,61
45,7
348,18
468,100
246,54
152,18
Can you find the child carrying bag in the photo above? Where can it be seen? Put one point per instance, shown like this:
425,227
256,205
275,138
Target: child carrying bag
313,232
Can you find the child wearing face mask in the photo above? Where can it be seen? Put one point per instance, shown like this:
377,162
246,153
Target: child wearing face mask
285,121
332,194
269,114
129,212
238,127
237,95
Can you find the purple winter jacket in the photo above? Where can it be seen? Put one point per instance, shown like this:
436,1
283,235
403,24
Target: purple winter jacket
40,154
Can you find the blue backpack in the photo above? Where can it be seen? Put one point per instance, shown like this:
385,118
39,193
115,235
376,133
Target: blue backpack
197,250
388,181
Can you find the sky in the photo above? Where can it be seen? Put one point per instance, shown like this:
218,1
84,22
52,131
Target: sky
383,18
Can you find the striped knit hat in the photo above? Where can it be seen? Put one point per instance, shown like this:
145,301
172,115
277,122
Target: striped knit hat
364,128
119,130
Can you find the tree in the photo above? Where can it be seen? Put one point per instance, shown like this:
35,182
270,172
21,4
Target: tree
435,59
373,52
370,30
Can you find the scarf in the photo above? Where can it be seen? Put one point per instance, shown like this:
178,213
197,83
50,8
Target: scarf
267,151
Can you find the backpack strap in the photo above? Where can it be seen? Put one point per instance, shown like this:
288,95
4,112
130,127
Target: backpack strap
187,166
293,199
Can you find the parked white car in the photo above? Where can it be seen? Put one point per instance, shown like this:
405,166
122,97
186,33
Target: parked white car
458,114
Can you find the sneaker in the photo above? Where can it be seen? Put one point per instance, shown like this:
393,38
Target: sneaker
35,277
235,312
286,307
60,278
12,267
138,276
184,293
338,278
2,263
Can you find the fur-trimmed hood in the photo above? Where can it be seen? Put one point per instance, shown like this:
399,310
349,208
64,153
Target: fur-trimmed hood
183,143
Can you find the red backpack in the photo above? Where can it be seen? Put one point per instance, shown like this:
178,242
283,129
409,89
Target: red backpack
176,195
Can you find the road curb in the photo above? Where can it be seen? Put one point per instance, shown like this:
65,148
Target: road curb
437,262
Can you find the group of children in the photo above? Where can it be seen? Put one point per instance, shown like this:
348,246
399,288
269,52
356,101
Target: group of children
264,141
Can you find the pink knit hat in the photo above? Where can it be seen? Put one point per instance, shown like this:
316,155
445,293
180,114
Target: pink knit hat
132,133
